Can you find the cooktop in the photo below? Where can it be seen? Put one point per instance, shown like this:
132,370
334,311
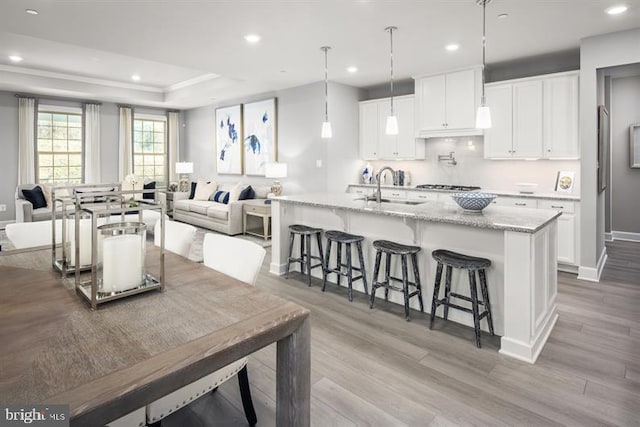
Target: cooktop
448,187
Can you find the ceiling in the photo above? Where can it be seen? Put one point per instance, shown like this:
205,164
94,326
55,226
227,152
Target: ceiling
192,52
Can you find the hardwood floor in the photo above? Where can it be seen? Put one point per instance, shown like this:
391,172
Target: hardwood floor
370,367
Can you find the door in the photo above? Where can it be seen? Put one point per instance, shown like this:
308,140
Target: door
561,117
431,108
498,139
527,119
406,142
387,144
369,130
460,100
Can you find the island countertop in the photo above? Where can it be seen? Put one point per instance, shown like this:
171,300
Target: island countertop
492,217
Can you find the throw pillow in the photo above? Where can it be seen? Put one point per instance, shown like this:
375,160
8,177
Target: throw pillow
262,191
46,190
247,193
221,197
234,193
149,186
36,197
204,190
193,190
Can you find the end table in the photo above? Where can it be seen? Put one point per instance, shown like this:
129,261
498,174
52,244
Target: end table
259,209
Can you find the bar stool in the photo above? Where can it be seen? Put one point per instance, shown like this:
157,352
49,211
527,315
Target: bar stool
392,248
471,264
306,233
340,238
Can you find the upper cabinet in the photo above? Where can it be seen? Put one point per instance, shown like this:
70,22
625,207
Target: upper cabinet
446,104
374,142
533,118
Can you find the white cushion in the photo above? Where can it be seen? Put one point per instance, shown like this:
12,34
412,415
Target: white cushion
182,205
234,193
200,206
31,234
218,211
204,190
178,237
261,191
46,190
132,419
238,258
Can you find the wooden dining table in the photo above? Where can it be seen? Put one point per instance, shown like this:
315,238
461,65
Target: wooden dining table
108,362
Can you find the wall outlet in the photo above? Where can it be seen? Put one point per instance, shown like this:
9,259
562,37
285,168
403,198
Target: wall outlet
3,208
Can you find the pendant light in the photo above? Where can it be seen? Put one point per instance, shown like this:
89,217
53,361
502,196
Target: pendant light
483,117
326,125
392,120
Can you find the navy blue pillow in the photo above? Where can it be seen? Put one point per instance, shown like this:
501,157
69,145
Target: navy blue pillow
149,186
221,197
36,197
247,193
193,190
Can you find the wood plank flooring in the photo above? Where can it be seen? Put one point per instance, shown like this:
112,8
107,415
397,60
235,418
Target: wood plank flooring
372,368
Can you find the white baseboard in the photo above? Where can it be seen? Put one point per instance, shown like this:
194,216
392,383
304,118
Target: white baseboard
593,274
277,269
608,237
624,235
3,224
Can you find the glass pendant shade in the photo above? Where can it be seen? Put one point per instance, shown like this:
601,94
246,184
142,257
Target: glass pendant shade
392,125
326,130
483,117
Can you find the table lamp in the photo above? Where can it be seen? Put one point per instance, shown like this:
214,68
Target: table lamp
276,170
184,169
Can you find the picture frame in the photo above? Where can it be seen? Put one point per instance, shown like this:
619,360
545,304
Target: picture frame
260,137
603,148
565,181
634,146
229,136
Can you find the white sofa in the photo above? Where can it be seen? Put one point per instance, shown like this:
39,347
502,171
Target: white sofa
220,217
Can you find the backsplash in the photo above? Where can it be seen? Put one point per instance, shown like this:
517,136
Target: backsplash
473,169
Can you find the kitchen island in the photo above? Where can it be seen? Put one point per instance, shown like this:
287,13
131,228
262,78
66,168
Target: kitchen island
521,244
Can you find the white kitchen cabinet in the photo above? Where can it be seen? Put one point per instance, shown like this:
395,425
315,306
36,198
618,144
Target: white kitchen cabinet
392,193
560,121
567,229
374,141
533,118
446,103
518,202
422,196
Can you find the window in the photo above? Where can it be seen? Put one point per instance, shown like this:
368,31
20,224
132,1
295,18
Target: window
150,149
59,146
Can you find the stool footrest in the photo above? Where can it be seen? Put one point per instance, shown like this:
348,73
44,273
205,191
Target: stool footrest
464,297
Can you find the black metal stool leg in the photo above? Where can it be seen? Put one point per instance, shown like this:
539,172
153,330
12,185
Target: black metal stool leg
474,306
339,262
436,292
302,265
374,281
327,262
405,286
308,249
292,238
349,272
321,255
387,275
363,273
485,298
447,291
416,280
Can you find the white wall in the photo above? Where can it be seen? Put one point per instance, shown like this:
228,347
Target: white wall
473,169
300,115
596,52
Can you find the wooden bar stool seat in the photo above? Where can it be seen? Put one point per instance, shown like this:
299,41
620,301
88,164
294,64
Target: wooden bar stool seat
305,259
342,238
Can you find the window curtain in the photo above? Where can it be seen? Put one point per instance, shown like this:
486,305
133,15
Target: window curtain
26,140
92,143
125,142
173,119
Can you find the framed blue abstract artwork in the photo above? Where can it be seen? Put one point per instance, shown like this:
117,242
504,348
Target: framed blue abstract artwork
260,146
229,140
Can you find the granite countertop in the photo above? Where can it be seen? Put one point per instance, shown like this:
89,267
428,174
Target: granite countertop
502,193
494,217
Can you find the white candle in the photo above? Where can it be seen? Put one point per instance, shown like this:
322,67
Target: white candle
85,242
122,262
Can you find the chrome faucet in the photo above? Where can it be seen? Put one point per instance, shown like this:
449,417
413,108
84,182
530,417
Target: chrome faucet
378,178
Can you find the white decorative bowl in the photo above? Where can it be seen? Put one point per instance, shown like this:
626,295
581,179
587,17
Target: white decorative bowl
473,201
526,187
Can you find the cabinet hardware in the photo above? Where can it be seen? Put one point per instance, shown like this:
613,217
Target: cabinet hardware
557,207
521,204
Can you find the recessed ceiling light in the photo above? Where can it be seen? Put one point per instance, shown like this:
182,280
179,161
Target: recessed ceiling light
617,10
135,77
503,16
252,38
31,11
352,69
15,58
452,47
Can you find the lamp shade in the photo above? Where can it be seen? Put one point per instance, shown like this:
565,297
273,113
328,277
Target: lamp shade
184,167
326,130
392,125
275,170
483,118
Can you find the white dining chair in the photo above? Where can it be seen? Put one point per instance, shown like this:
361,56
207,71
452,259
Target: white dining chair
240,259
178,237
